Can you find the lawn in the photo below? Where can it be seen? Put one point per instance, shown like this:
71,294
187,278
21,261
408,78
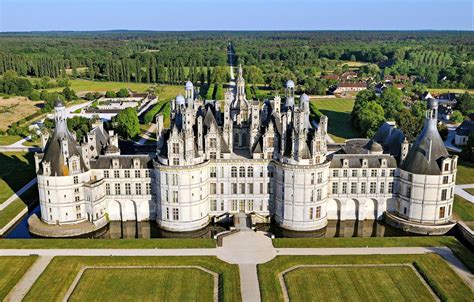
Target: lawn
18,205
6,140
358,283
338,112
162,243
444,281
15,108
423,241
463,210
86,85
465,173
452,90
11,270
167,285
62,271
470,191
18,168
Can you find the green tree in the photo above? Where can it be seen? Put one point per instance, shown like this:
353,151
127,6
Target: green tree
465,103
80,125
362,98
391,102
110,94
122,93
371,118
127,123
456,117
467,152
69,94
409,123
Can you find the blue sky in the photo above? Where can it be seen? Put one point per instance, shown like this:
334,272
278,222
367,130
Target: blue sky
32,15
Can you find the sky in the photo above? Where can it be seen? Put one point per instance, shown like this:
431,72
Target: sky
181,15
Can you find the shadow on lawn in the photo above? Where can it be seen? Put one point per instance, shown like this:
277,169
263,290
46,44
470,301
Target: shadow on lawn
340,125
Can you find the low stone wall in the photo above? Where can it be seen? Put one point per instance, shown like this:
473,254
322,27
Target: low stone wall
418,228
465,232
12,222
39,228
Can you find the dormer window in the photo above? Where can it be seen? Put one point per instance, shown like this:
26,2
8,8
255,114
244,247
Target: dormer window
345,163
384,163
136,163
446,167
115,163
364,163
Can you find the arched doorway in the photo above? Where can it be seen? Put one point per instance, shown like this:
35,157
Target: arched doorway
352,209
334,209
371,209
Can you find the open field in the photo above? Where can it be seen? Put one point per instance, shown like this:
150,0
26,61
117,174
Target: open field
11,270
423,241
463,210
77,243
15,108
62,271
168,285
465,173
452,90
86,85
339,113
358,283
17,169
353,63
444,281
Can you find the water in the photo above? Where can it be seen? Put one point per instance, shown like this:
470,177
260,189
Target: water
149,229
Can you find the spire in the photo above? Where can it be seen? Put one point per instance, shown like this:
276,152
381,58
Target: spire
240,71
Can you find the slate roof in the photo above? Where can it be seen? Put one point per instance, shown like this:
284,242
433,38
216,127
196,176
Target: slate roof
355,160
466,128
125,161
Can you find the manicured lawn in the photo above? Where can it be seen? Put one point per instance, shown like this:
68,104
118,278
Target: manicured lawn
338,112
463,209
11,270
162,243
13,209
17,169
423,241
85,85
62,271
470,191
128,284
445,282
465,173
6,140
359,283
452,90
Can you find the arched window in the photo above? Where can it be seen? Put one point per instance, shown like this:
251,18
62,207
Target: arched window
242,172
234,172
250,172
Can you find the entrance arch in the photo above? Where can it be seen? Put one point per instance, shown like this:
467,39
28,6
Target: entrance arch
114,208
352,209
334,209
371,209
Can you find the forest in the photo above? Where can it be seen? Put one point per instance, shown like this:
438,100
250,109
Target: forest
436,59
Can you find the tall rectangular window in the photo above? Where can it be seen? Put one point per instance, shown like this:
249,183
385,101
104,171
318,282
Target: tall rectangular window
138,189
250,188
106,174
137,174
318,212
222,188
127,173
344,173
311,214
382,187
174,179
175,214
312,178
373,173
234,205
444,194
213,205
117,189
234,188
318,194
373,187
363,187
335,173
344,188
353,188
354,173
116,174
213,173
441,212
390,187
76,180
175,196
128,190
364,173
335,186
242,188
148,188
320,177
445,179
408,192
107,189
213,188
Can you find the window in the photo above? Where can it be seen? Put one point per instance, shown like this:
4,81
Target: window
106,174
212,155
318,194
383,172
320,177
445,179
312,178
127,173
408,192
382,187
213,172
76,180
76,198
175,161
137,174
147,173
334,187
128,190
138,189
363,188
175,214
410,177
222,188
250,205
233,172
174,179
335,173
261,188
364,173
213,188
242,188
404,210
168,213
250,188
311,210
449,211
242,172
234,188
373,173
444,194
446,168
116,173
222,206
250,172
234,205
311,198
344,188
441,212
270,142
451,193
78,215
107,189
175,196
175,148
392,172
74,166
213,205
353,188
117,189
344,173
373,187
212,142
148,188
354,173
318,212
390,187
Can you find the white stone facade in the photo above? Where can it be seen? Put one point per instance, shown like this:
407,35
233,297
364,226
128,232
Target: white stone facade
267,159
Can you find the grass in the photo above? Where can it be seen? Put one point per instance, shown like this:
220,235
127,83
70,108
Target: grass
338,112
422,241
11,270
452,90
469,190
465,173
18,205
162,243
62,271
16,108
6,140
387,283
167,285
440,275
17,170
79,85
463,209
